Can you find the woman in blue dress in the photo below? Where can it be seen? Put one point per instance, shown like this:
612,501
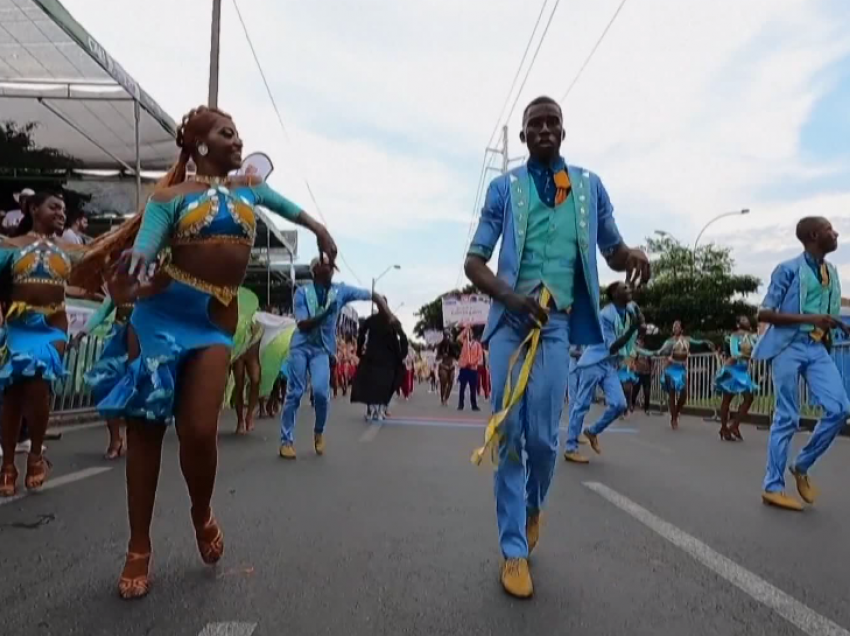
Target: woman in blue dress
734,379
111,366
182,325
35,268
674,380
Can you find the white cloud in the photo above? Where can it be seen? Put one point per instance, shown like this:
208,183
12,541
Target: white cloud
688,109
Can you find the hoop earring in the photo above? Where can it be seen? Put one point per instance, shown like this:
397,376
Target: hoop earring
203,150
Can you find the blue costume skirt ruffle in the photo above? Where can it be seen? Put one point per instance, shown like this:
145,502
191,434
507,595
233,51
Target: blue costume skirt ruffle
735,379
169,326
675,377
626,375
112,364
28,350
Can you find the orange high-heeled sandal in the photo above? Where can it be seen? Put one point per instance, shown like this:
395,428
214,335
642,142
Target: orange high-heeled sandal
8,480
210,540
136,586
38,467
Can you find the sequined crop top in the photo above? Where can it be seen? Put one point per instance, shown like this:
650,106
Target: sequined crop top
216,215
41,262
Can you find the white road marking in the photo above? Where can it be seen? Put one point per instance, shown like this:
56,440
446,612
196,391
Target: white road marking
60,481
71,428
372,432
792,610
228,629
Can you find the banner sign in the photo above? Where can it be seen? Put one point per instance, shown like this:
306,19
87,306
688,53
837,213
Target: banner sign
471,309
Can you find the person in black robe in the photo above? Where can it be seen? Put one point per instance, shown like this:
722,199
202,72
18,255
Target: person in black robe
382,347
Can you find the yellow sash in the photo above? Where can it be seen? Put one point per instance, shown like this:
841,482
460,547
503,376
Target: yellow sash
19,308
494,434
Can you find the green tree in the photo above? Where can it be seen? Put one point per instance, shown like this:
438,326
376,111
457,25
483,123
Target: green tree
430,315
19,152
699,289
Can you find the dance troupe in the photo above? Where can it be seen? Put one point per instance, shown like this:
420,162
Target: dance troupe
173,274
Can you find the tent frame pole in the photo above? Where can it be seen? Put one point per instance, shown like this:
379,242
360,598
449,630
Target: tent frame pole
137,117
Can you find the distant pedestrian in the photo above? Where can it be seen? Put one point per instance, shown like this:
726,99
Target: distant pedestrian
382,346
471,357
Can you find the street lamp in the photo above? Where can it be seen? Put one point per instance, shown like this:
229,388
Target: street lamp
705,227
375,280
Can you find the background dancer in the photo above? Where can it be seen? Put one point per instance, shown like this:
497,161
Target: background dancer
317,308
550,217
382,347
802,306
600,365
643,370
674,380
111,366
183,323
734,379
245,370
35,268
447,355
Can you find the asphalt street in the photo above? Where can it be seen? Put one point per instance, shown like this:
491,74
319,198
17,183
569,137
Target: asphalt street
393,532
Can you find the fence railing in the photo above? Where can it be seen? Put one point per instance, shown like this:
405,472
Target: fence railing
703,368
71,395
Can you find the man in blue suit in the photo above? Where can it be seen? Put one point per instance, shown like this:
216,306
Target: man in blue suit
550,217
802,306
600,366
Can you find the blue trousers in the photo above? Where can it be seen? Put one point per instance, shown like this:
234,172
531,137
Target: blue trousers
301,359
811,360
468,378
528,454
572,386
606,374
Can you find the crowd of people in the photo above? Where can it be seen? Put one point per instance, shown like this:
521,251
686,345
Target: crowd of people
182,332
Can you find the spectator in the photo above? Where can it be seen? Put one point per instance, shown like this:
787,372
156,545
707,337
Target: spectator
14,217
75,231
471,357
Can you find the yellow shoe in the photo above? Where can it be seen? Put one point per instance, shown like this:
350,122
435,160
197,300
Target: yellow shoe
593,440
532,531
319,443
287,451
576,457
781,500
516,578
807,489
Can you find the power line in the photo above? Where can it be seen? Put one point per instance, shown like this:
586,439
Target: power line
593,51
484,166
283,127
534,57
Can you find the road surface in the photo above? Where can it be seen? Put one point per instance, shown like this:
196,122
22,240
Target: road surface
393,532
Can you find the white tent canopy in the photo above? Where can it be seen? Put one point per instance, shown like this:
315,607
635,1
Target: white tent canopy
54,74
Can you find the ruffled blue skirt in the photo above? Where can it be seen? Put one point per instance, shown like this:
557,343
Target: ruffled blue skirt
111,367
28,350
675,377
169,326
626,375
735,379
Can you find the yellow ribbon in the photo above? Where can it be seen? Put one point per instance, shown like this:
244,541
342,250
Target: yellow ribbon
19,308
494,434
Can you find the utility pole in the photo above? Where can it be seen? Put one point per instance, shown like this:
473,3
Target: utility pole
215,37
502,151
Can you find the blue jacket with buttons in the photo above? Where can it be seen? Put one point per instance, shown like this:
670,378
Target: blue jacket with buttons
505,216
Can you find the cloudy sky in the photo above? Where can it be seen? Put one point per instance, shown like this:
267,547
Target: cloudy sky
687,110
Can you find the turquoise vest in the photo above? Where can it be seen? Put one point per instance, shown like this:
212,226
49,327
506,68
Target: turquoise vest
551,249
817,298
313,300
623,324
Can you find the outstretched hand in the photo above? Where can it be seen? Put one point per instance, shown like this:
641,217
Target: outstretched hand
123,280
638,269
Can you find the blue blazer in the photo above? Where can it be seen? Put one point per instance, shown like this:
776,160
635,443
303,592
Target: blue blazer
505,216
785,294
608,319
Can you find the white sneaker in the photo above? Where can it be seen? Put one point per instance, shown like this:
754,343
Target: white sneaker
25,446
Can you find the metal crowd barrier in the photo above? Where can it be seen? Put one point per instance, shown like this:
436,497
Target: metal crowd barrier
703,368
70,395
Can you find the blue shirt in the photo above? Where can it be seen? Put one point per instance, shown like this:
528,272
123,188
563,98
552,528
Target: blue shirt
326,330
544,178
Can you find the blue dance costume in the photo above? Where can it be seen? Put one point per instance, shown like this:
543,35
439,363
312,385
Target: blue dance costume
675,376
734,378
175,321
112,364
29,350
801,286
599,366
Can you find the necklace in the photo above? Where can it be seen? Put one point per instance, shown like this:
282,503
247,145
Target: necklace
203,178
